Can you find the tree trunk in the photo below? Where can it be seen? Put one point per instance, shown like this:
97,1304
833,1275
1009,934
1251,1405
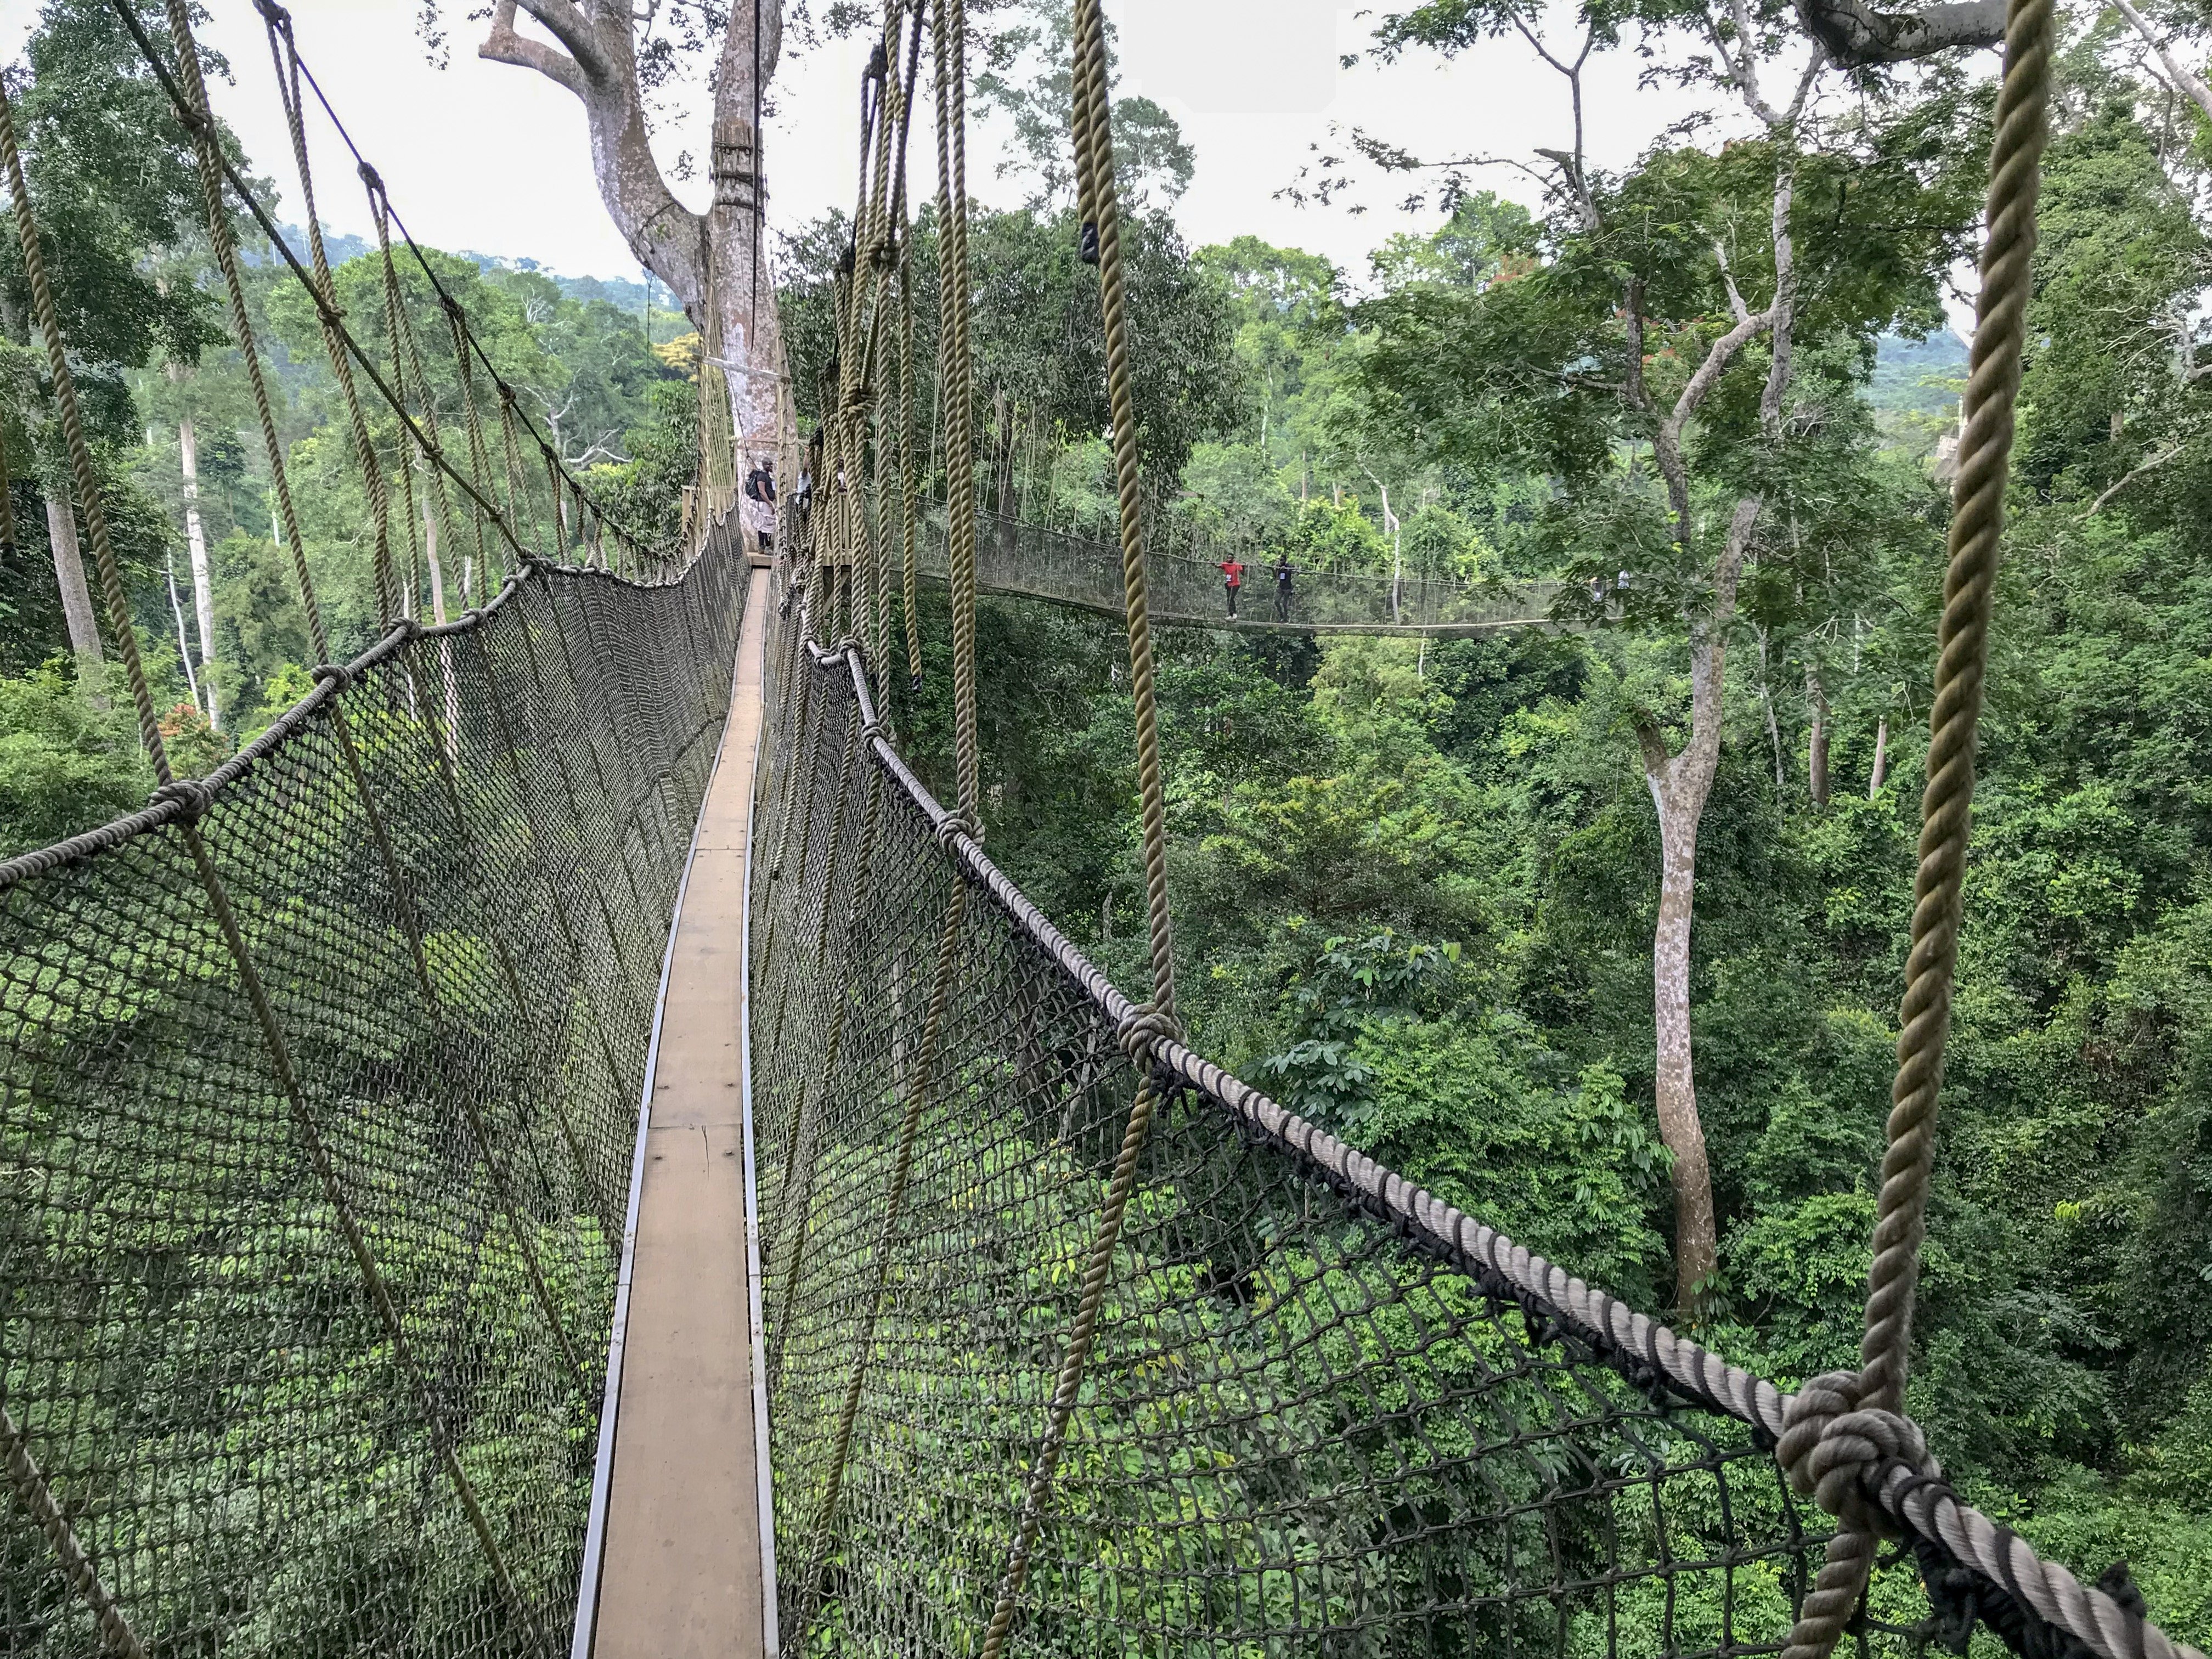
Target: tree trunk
1766,705
713,262
1880,757
1002,417
184,640
1680,803
1681,785
188,450
436,568
76,598
1816,744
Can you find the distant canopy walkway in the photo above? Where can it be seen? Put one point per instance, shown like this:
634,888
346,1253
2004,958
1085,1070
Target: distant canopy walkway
323,1082
1066,567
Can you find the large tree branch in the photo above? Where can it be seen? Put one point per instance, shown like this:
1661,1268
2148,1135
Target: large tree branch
2155,461
1856,34
2182,80
504,45
599,67
570,25
1667,443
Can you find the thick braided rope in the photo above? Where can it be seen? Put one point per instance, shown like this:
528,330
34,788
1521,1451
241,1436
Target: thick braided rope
285,59
406,356
82,476
209,153
956,388
479,452
28,1482
1864,1413
872,263
1096,127
909,481
909,459
1141,1029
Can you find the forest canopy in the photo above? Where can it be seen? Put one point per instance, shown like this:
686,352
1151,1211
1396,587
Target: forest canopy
1597,928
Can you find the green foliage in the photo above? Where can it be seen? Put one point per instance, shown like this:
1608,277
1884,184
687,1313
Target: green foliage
68,759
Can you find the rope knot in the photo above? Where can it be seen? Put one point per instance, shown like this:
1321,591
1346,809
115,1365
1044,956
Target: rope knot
1142,1030
372,179
1837,1452
193,794
334,671
871,729
955,824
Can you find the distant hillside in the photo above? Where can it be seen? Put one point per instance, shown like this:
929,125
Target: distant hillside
1917,377
618,291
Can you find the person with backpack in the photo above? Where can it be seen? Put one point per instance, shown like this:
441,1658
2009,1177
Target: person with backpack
760,503
1282,587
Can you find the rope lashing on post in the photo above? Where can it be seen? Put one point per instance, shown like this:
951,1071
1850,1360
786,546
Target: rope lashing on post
1845,1429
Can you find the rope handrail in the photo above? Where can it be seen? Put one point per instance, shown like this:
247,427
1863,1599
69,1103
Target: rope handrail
1976,1562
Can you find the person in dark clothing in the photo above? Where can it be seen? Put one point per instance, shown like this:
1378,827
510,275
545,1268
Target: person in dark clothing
1282,587
1232,578
760,490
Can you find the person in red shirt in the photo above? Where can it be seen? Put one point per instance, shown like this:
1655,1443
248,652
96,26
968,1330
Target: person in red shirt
1232,578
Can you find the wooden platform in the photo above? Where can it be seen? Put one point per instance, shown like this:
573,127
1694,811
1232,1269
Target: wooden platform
683,1573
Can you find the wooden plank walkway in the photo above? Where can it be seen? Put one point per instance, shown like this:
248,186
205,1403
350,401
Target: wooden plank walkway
683,1571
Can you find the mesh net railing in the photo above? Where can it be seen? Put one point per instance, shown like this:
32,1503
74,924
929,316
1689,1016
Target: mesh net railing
1042,561
229,1429
1312,1422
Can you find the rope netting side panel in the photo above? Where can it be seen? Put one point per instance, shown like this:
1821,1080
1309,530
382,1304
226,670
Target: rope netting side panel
302,1354
1300,1429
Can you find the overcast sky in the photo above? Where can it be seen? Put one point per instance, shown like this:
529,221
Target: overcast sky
492,159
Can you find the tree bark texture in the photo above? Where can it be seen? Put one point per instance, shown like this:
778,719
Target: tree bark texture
1680,784
1880,757
1816,742
188,452
76,598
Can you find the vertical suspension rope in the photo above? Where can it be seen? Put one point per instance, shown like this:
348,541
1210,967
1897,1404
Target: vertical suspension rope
956,391
1094,156
1844,1425
285,59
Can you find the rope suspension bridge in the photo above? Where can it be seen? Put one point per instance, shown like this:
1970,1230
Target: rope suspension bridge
493,1170
1039,561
